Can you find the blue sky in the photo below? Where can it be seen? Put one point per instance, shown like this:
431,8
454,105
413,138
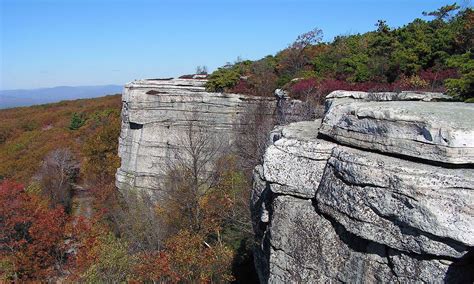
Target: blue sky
48,43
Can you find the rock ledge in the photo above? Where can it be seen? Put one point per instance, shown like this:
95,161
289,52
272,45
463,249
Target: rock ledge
389,197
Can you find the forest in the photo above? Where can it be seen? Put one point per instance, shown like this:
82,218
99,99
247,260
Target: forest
201,232
424,55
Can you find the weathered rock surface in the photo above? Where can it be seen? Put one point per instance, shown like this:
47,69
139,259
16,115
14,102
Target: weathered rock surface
326,212
407,206
156,113
390,96
380,190
295,151
438,132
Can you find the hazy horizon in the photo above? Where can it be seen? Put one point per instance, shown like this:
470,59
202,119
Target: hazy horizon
61,86
48,43
29,97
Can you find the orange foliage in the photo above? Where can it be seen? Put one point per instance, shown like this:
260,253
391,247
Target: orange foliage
153,266
32,234
27,134
194,260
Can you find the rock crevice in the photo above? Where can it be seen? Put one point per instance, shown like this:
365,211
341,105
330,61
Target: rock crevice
389,197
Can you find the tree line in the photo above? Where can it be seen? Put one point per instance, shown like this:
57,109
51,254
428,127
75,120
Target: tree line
198,231
429,55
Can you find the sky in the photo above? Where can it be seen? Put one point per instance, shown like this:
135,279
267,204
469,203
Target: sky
46,43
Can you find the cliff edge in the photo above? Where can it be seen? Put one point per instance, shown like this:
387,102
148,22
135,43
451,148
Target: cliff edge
380,190
158,113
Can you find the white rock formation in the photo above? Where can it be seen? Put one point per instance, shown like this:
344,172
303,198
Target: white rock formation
380,190
157,113
438,132
297,149
324,212
390,96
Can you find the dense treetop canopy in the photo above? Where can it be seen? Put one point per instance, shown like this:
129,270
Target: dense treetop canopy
434,55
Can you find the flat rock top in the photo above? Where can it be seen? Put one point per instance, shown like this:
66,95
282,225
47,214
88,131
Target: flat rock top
434,131
390,96
452,115
189,90
151,83
303,130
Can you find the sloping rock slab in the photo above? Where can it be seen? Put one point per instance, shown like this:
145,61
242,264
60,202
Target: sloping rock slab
411,207
296,149
438,132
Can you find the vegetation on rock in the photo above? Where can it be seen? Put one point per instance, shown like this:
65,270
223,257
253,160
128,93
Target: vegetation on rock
431,55
201,231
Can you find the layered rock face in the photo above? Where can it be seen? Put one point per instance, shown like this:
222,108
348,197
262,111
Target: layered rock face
378,191
156,114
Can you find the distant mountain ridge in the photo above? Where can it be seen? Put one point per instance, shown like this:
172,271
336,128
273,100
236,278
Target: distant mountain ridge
17,98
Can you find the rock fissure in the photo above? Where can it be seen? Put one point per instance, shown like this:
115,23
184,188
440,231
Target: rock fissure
378,191
386,207
333,139
410,230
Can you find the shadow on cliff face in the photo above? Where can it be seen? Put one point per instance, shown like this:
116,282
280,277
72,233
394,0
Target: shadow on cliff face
261,249
461,271
354,242
243,268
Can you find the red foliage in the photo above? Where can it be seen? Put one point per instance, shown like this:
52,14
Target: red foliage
435,78
427,80
431,75
329,85
86,235
242,87
154,266
303,88
106,201
32,234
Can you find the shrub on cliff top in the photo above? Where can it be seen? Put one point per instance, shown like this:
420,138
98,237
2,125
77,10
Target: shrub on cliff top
431,55
222,80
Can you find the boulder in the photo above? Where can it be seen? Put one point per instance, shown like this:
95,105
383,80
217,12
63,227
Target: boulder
300,244
296,149
386,204
408,206
281,94
436,132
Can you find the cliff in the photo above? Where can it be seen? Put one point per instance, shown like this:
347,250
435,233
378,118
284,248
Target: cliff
380,190
157,113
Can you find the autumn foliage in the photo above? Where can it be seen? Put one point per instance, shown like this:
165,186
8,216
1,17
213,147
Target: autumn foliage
201,227
32,235
29,134
429,55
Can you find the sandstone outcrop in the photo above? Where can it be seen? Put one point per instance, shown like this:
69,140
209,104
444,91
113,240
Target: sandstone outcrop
378,191
390,96
438,132
381,189
157,112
